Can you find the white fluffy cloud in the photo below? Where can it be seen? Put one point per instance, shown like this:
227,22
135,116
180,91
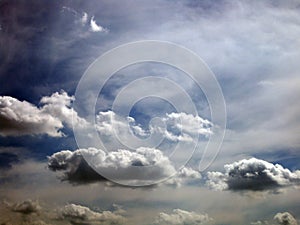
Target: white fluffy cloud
179,126
252,174
121,164
23,118
285,218
78,214
95,27
179,217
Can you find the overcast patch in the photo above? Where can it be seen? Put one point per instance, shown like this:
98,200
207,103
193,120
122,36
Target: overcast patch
252,174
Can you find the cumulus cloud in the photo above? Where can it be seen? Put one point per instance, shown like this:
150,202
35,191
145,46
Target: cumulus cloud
179,126
95,27
184,176
25,207
285,218
252,174
121,164
179,217
23,118
78,214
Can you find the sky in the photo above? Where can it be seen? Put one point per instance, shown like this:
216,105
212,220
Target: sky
80,144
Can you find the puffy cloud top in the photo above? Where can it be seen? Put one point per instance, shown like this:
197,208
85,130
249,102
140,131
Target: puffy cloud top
285,218
179,217
78,214
22,118
252,174
121,164
25,207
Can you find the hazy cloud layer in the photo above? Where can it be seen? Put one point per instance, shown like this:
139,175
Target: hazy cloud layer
252,174
179,217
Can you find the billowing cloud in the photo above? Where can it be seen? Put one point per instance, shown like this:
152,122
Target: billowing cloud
285,218
252,174
23,118
95,27
184,176
25,207
179,217
179,126
78,214
120,164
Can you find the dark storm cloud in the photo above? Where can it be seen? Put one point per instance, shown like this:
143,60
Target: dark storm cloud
253,175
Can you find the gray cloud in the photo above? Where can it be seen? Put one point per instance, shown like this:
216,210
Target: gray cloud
285,218
25,207
179,217
252,174
77,214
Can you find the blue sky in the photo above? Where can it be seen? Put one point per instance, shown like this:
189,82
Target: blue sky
252,48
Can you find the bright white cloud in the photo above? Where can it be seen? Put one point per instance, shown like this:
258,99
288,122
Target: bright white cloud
179,217
180,126
22,118
78,214
252,174
95,27
285,218
121,164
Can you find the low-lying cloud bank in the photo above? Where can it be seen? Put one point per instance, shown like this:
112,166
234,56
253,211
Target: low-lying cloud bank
254,175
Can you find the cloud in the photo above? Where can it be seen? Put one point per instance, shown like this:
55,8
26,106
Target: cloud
184,176
78,214
25,207
23,118
180,217
285,218
84,18
179,126
95,27
252,174
121,164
